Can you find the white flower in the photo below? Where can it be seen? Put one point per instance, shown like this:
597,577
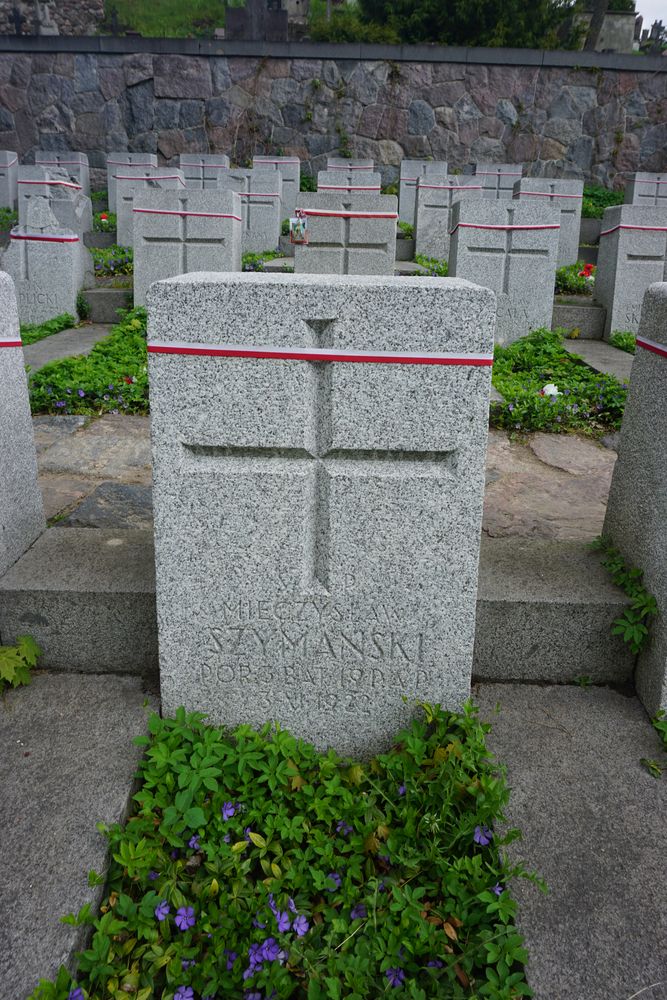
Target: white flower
550,390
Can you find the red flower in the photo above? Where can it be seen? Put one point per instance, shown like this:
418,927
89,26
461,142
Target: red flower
103,215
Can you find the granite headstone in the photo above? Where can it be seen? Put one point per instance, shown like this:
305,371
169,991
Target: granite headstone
498,179
202,170
317,511
289,168
646,189
70,206
126,163
347,234
567,197
411,172
353,182
433,215
341,163
74,164
9,167
160,179
262,210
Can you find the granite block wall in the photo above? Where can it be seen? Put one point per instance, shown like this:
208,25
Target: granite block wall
591,123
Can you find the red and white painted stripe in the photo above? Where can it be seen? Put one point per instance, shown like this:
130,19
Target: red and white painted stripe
548,194
318,354
43,238
206,166
451,187
10,164
129,163
197,215
340,166
475,225
156,177
258,194
10,342
498,173
643,229
348,187
64,184
282,160
653,346
60,163
342,214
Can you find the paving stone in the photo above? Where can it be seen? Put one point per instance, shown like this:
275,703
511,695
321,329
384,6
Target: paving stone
68,762
60,493
113,447
114,505
593,826
48,428
575,455
602,357
66,344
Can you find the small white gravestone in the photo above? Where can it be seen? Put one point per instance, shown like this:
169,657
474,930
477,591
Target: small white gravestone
126,163
319,448
567,197
647,189
632,255
511,247
202,170
9,172
347,234
498,179
433,215
160,179
48,264
411,172
21,511
289,168
74,164
262,210
637,507
176,232
70,206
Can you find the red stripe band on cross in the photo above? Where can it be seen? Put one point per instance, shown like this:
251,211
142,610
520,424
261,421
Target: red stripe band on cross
58,163
546,194
205,166
10,342
258,194
197,215
10,164
65,184
474,225
348,187
318,354
651,345
341,214
44,239
451,187
157,177
128,163
275,161
644,229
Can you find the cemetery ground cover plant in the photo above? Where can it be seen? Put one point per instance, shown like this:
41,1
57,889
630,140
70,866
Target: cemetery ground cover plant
435,268
633,624
656,767
255,261
575,279
545,388
596,199
17,661
256,867
113,378
31,333
624,340
9,218
112,261
104,222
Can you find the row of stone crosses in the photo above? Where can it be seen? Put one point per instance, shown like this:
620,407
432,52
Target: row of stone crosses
495,227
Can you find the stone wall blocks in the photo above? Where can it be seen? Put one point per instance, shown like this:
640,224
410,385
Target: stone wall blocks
553,150
217,111
137,68
488,149
506,112
304,69
140,104
293,115
421,118
446,117
652,147
361,86
370,120
285,91
330,73
143,142
167,114
20,70
394,123
522,147
220,75
566,130
416,147
85,73
84,103
491,127
445,94
581,152
111,81
448,72
466,109
191,113
443,142
43,90
243,67
183,77
6,120
396,94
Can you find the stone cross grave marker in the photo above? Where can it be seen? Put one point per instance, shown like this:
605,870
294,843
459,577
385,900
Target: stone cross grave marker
633,255
180,231
341,163
9,163
21,512
510,247
161,179
75,164
352,182
202,170
498,179
347,234
126,163
637,507
433,213
567,197
647,189
319,474
411,172
289,168
71,208
48,265
262,210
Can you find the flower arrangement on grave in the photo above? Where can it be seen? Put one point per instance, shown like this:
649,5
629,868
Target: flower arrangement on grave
588,273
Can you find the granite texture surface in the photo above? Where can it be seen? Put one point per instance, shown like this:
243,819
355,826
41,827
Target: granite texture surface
21,510
74,163
410,172
490,246
436,193
341,181
289,168
9,172
498,179
633,255
128,184
271,477
644,188
202,170
567,197
71,207
125,162
340,244
262,210
180,231
637,508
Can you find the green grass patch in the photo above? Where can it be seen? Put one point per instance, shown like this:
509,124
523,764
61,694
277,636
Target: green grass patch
256,867
112,261
256,261
308,183
584,400
406,231
113,378
168,18
33,332
102,195
575,279
624,340
435,267
596,199
104,222
8,219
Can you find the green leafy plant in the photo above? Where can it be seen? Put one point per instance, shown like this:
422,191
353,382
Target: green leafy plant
112,261
435,267
9,218
545,388
633,624
654,767
406,231
575,279
17,661
624,340
256,261
255,865
82,306
31,333
596,199
308,183
113,378
583,681
102,195
104,222
284,228
391,189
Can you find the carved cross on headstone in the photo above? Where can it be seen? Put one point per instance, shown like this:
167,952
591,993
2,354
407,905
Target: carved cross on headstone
187,243
508,252
319,462
658,257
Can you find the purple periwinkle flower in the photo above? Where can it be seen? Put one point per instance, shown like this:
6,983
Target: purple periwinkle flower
358,912
227,838
61,403
185,918
401,789
270,950
187,963
395,976
75,994
252,995
68,391
292,905
228,810
284,921
175,853
272,905
300,925
162,910
336,879
498,889
434,963
343,827
231,958
482,835
256,923
184,993
384,858
193,842
153,875
510,407
246,833
81,393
